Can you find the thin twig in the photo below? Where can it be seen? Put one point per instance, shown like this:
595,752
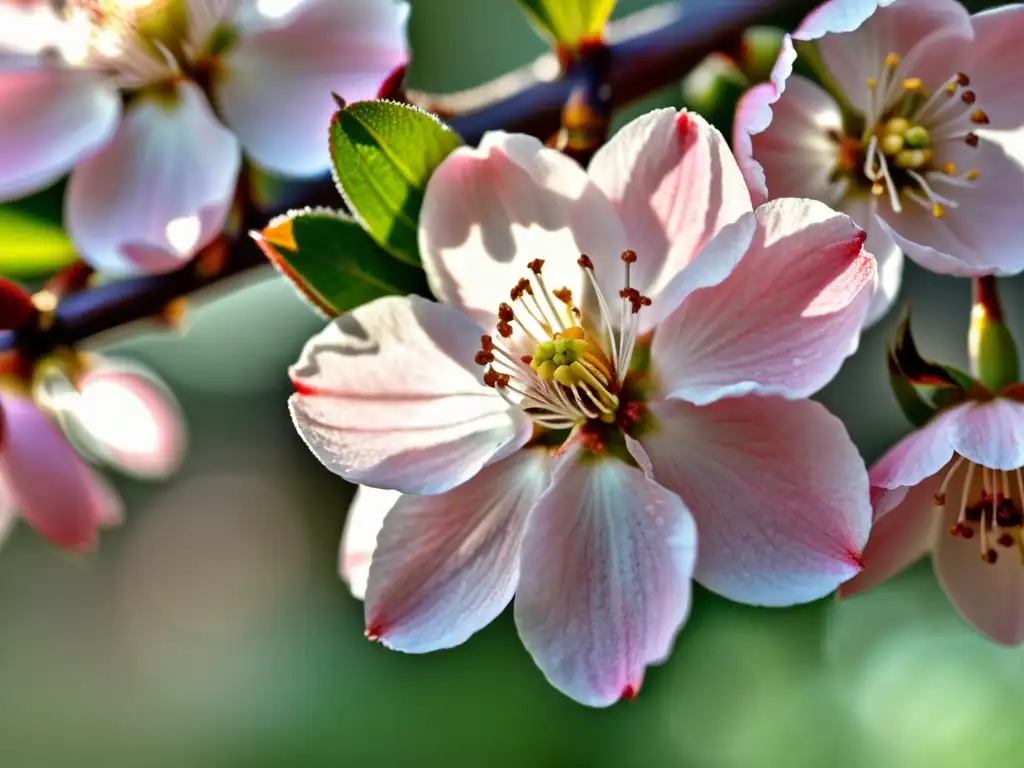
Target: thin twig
646,52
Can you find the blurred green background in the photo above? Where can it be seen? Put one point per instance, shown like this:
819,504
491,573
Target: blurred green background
212,629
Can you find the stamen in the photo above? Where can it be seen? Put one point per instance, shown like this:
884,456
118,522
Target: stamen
588,269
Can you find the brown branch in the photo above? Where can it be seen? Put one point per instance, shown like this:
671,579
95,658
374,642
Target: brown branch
646,52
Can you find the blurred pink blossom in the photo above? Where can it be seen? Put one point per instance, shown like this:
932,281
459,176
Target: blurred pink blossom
116,414
915,132
672,379
955,488
131,95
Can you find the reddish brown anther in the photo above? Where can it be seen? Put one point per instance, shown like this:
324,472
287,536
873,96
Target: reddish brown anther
585,262
505,313
494,379
968,97
989,557
527,359
978,117
487,342
961,530
971,139
536,265
504,329
1006,540
635,298
962,79
483,358
563,294
629,257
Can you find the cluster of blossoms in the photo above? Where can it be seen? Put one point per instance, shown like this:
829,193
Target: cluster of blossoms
151,103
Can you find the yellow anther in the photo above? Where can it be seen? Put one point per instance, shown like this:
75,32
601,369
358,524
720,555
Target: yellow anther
949,169
897,126
546,370
914,159
573,333
972,175
872,83
892,61
892,144
950,89
938,211
878,189
915,84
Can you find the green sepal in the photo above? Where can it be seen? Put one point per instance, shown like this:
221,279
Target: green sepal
919,371
333,263
569,23
383,154
914,406
713,89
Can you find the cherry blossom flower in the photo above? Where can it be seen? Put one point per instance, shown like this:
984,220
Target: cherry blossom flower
117,414
914,131
955,488
149,102
616,363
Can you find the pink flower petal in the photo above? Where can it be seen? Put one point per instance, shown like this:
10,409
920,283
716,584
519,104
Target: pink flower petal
900,535
605,585
990,597
130,419
675,184
275,88
51,486
8,512
795,151
981,234
783,320
916,457
990,434
488,212
159,191
389,396
51,120
358,542
888,255
927,34
777,488
445,566
996,63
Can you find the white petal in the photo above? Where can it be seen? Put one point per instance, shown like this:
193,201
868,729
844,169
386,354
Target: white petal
607,558
51,120
446,565
275,88
888,255
159,191
488,212
390,396
777,488
989,433
359,540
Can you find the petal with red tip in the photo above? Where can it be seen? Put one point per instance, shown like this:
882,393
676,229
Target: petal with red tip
605,584
445,566
784,319
778,490
389,395
675,185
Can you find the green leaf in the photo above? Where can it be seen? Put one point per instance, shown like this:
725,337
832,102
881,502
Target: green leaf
333,262
383,154
32,241
570,23
917,410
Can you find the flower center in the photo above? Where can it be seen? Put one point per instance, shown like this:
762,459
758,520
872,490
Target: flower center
573,373
135,41
991,506
904,127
